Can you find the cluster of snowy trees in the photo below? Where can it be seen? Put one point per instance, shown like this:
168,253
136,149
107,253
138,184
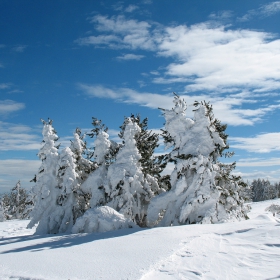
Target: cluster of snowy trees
17,204
120,185
263,190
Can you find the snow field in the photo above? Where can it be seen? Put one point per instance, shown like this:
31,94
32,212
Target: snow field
241,250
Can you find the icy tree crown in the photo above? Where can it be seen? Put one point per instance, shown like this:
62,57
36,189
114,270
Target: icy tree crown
197,136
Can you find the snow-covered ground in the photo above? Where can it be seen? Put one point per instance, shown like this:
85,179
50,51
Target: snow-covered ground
244,250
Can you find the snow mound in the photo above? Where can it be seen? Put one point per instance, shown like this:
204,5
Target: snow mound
101,219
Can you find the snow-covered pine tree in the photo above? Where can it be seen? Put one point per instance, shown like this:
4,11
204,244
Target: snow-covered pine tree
46,190
84,167
110,154
103,154
2,215
16,203
264,190
257,189
96,182
129,191
67,208
152,166
79,149
202,190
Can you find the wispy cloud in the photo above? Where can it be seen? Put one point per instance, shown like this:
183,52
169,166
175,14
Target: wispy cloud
125,33
130,56
20,48
127,95
10,106
221,16
271,175
231,109
206,56
262,143
131,8
18,137
12,170
5,86
252,162
263,11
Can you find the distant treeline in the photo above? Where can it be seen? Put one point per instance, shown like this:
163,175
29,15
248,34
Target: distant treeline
262,189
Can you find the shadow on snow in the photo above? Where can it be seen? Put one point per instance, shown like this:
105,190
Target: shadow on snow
62,240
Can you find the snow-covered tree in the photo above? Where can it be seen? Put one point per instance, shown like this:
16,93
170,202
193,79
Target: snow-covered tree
2,215
202,189
103,153
67,209
152,166
110,153
46,190
83,168
274,209
17,204
128,190
264,190
78,147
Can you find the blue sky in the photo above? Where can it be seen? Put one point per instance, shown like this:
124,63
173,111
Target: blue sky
72,60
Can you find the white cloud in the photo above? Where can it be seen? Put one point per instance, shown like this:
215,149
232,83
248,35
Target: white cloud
206,56
272,175
254,162
218,59
9,106
5,85
263,11
270,9
230,109
127,95
131,8
12,170
18,137
129,34
130,56
20,48
221,15
262,143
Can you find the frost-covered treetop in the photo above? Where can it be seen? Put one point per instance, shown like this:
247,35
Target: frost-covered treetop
68,173
192,137
131,130
77,145
101,147
49,139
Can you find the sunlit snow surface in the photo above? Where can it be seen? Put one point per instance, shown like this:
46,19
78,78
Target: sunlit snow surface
241,250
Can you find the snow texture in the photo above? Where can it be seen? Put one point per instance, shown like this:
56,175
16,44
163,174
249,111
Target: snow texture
101,219
245,250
